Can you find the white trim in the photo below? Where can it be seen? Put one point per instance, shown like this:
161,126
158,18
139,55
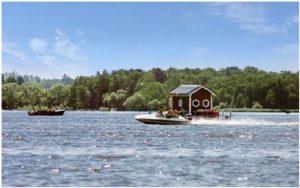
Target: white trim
208,103
200,87
180,103
190,103
196,100
211,102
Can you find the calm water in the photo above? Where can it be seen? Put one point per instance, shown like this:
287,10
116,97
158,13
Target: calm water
113,149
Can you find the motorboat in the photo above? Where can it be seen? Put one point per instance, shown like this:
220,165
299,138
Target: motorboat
162,120
49,112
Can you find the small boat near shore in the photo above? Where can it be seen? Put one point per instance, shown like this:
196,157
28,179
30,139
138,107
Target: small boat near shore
52,112
162,120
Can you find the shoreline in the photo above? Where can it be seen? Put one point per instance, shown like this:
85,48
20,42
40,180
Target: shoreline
258,110
220,110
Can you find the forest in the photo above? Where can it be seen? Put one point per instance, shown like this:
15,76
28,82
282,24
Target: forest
137,89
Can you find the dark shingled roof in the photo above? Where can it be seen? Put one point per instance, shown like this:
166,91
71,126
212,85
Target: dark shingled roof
188,89
185,89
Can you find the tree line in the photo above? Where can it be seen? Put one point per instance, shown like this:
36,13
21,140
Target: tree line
46,83
136,89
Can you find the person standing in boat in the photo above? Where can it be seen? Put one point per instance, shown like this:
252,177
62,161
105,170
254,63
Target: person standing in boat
160,111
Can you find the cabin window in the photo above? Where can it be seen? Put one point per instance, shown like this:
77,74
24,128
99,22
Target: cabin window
180,102
205,103
196,103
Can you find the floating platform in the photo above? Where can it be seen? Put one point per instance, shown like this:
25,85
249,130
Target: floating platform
204,113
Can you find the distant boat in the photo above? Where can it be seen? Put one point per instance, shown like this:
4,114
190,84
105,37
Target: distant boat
162,120
52,112
113,109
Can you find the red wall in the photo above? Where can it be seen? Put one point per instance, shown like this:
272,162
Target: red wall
201,95
185,103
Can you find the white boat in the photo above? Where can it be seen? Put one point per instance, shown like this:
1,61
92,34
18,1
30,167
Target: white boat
162,120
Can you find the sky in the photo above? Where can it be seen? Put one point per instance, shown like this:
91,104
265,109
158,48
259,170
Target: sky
52,39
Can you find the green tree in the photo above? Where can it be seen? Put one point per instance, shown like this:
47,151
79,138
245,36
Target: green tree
10,95
154,104
256,105
270,99
83,95
233,87
102,86
66,80
11,79
115,99
20,80
72,97
32,93
58,95
160,75
239,102
136,102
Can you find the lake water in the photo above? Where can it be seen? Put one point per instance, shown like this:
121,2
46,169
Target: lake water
113,149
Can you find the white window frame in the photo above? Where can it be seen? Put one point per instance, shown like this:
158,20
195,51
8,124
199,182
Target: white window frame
180,103
205,101
194,105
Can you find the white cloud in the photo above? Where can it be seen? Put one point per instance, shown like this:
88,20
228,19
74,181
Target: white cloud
199,50
84,43
10,49
79,33
56,57
48,59
291,50
60,34
244,13
295,19
38,44
292,20
258,28
64,47
287,56
250,17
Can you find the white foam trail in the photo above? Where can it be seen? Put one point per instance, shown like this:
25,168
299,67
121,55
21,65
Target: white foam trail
247,121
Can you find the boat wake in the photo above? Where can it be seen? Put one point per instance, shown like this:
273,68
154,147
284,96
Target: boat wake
248,121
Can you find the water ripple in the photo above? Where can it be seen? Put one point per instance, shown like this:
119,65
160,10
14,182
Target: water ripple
113,149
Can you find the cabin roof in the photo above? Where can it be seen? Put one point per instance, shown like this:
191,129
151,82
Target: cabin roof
188,89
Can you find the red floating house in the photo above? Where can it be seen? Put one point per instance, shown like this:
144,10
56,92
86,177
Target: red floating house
196,100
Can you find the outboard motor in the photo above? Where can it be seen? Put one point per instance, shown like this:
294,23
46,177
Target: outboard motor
188,116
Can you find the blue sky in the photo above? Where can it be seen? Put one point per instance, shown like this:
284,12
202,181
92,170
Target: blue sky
50,39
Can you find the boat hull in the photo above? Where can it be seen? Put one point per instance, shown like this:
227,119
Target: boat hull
150,119
46,113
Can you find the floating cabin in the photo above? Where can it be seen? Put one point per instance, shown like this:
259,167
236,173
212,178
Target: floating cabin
196,100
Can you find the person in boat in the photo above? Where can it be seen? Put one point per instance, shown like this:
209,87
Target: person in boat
176,114
160,111
50,109
170,113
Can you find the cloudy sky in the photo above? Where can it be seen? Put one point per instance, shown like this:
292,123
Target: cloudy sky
51,39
